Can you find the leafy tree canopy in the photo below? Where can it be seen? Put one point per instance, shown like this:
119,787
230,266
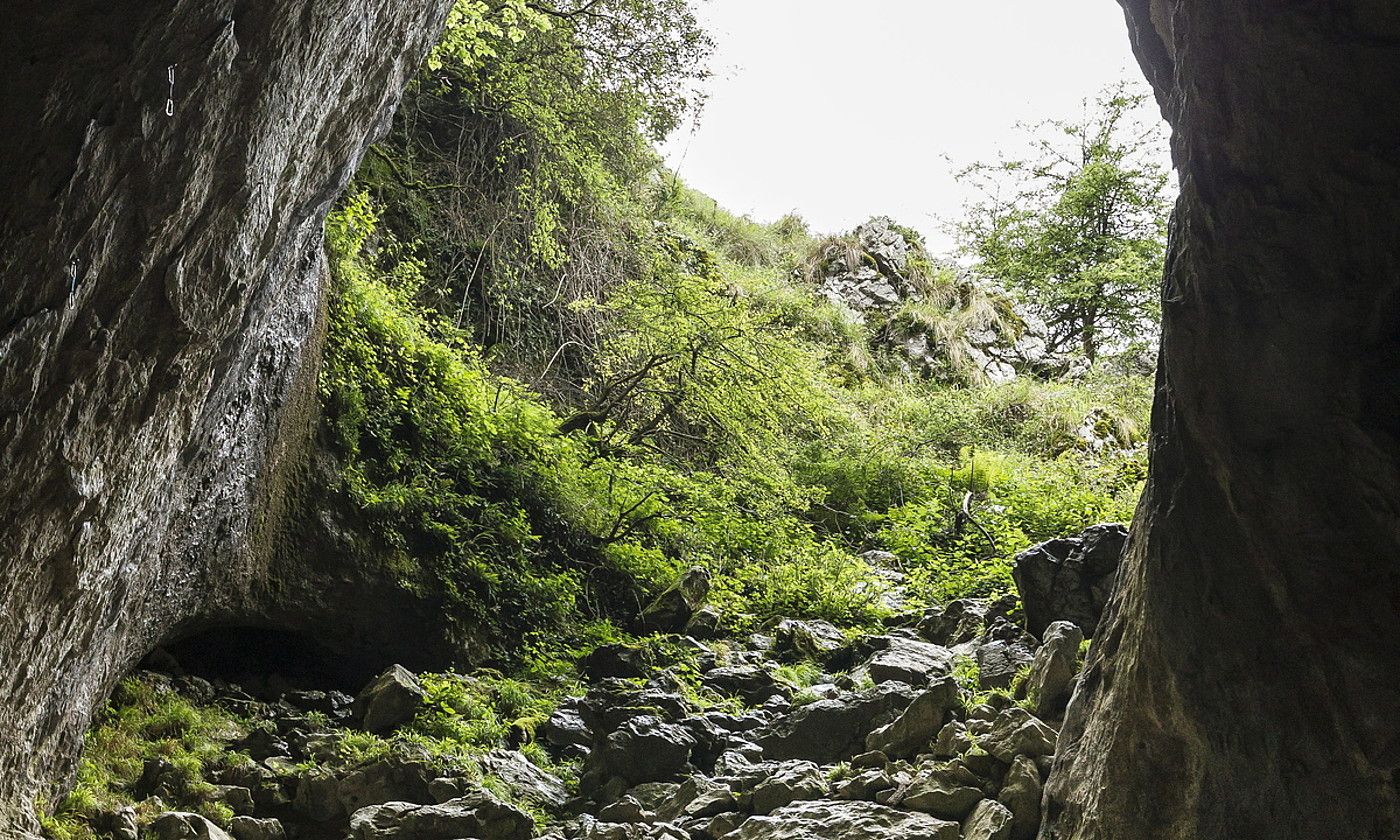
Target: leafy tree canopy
1079,227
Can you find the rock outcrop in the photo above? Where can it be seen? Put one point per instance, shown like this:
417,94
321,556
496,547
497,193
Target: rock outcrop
1245,679
166,169
876,270
1069,579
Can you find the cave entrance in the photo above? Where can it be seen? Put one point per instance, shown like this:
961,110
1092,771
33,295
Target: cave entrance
265,662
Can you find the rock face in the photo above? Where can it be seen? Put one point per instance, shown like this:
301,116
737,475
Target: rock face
871,273
806,820
1264,566
163,275
1069,579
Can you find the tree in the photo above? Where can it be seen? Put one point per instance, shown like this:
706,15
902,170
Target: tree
1079,229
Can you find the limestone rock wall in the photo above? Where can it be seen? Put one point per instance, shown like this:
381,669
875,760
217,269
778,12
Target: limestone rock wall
160,256
1246,678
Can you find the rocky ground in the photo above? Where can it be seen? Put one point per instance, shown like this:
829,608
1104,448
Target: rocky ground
943,726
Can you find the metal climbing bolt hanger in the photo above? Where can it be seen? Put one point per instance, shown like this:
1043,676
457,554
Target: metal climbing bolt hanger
170,100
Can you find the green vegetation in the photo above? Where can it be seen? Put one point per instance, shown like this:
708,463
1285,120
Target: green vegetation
1081,227
148,735
557,377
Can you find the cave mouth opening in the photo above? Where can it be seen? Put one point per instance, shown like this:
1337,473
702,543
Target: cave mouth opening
265,662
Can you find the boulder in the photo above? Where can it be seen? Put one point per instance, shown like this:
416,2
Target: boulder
863,786
618,661
238,798
810,820
917,725
815,640
1020,793
252,828
953,739
122,825
1069,579
908,661
390,701
939,793
625,810
999,662
613,702
793,781
990,820
178,825
565,728
828,731
722,824
386,780
697,798
672,609
1051,678
524,780
1016,732
954,623
704,623
645,749
754,684
318,797
478,815
596,830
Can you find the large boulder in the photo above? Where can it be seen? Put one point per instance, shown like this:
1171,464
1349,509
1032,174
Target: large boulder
1020,793
1069,579
791,781
671,611
828,731
953,623
1051,678
990,820
616,661
909,661
1016,731
565,728
524,781
941,793
253,828
478,815
387,780
390,701
752,683
811,820
998,662
814,640
178,825
917,726
645,749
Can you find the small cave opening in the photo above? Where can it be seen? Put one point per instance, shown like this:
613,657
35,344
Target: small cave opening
265,662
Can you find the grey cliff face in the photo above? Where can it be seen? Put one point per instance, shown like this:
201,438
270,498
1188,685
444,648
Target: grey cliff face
160,253
1244,681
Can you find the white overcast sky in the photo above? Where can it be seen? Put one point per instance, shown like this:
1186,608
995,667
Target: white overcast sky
842,110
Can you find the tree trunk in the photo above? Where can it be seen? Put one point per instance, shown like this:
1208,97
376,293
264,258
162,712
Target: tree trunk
1088,333
1245,682
165,167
